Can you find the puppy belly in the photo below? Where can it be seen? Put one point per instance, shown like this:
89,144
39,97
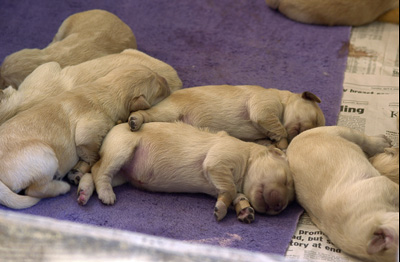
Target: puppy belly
156,173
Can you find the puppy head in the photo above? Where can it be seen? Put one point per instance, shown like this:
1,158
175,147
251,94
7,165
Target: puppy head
17,66
302,113
269,183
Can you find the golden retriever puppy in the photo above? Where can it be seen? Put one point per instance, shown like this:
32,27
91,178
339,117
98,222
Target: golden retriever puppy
176,157
39,146
50,80
345,196
334,12
81,37
246,112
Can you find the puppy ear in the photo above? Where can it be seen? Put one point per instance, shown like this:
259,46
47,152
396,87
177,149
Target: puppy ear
139,103
276,152
391,151
384,238
310,96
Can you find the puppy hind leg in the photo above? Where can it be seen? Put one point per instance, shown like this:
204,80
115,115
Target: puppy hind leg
371,145
158,113
43,168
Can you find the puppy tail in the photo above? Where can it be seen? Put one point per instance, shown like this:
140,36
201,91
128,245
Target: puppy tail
12,200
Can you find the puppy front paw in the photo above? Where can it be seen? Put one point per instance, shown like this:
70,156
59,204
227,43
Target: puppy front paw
135,122
85,189
107,196
244,212
377,144
220,210
74,176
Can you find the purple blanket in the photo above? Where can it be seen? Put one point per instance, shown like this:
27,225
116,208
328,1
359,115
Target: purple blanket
207,42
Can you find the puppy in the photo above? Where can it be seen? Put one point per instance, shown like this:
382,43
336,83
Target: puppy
39,146
335,12
176,157
345,196
50,80
246,112
81,37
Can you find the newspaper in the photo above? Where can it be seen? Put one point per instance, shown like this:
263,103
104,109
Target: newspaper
370,104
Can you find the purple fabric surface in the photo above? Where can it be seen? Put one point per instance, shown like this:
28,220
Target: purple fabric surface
207,42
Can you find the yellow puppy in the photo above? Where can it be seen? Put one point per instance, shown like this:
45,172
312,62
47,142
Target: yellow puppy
81,37
246,112
176,157
39,146
50,80
337,12
345,196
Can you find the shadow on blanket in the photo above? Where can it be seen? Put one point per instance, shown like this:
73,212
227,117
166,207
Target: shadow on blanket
207,42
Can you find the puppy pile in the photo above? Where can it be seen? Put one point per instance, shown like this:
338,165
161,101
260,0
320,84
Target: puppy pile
91,108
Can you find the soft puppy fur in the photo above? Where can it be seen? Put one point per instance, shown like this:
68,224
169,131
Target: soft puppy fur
49,79
335,12
39,146
81,37
176,157
246,112
345,196
387,163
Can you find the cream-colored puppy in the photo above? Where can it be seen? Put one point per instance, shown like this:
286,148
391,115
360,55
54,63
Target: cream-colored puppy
39,146
81,37
176,157
345,196
246,112
335,12
50,80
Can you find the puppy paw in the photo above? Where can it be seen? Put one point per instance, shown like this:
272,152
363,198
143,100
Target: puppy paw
74,176
377,144
282,144
135,122
246,215
220,210
85,189
107,196
244,212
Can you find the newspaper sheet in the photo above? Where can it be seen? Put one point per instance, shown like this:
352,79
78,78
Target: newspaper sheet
370,104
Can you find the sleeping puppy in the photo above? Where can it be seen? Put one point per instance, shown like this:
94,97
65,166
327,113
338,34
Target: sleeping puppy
336,12
176,157
345,196
39,146
246,112
50,80
81,37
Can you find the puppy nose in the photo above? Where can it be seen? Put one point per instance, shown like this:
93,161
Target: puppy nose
276,201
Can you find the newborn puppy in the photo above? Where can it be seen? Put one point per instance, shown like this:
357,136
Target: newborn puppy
334,12
246,112
81,37
176,157
39,146
50,80
345,196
